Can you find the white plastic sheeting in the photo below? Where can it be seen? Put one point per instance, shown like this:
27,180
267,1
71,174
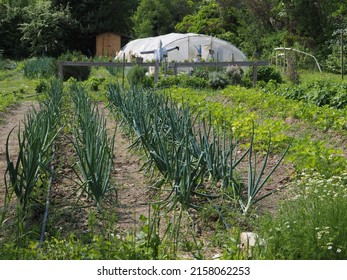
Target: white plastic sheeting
192,47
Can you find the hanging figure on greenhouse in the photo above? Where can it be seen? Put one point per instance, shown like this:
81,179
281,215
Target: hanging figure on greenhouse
160,52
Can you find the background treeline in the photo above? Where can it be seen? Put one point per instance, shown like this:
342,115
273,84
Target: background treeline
52,27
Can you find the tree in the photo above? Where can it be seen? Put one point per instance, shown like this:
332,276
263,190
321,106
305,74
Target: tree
207,21
11,17
157,17
47,31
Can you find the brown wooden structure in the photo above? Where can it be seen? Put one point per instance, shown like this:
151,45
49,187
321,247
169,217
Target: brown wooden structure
108,44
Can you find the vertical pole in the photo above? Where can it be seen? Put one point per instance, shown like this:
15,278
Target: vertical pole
255,73
285,58
123,71
156,71
60,70
175,69
342,55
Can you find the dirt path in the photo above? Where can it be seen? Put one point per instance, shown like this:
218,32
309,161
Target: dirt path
10,119
132,185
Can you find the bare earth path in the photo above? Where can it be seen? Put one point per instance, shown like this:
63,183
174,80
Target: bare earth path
132,185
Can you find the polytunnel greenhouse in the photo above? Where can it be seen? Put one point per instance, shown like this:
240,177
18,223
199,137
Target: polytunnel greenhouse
181,47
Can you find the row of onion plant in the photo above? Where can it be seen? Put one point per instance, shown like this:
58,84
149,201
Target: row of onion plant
28,170
93,146
189,150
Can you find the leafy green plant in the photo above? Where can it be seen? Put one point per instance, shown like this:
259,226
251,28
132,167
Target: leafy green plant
217,80
93,146
234,74
30,166
264,73
137,77
80,73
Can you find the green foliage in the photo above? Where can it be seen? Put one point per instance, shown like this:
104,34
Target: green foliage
10,35
79,73
234,74
333,61
218,80
265,74
93,146
155,17
241,107
207,20
187,150
137,77
28,168
47,28
182,80
321,93
312,224
40,67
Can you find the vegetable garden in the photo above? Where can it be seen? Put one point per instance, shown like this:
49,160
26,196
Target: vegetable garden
211,162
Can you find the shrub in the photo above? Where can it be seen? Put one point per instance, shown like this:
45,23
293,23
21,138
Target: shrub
218,80
264,73
201,73
137,77
80,73
234,74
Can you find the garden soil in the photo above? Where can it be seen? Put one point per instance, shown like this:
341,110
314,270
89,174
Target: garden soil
131,201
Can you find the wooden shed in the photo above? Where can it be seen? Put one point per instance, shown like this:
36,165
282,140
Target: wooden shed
108,44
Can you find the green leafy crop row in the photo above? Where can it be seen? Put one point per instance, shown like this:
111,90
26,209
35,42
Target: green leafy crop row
283,118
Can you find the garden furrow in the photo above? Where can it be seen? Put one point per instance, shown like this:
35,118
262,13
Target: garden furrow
132,185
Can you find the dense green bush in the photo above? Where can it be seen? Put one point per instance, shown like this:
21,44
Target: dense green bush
80,73
264,73
218,80
234,74
137,77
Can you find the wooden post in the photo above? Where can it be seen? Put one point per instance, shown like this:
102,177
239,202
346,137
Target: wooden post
156,72
175,69
342,56
60,70
255,73
123,69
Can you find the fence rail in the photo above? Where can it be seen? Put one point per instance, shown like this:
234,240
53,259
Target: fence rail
174,65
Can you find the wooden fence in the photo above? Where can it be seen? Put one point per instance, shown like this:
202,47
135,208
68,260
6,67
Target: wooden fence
174,65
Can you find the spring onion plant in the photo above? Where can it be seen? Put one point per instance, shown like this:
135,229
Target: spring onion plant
186,149
35,141
94,147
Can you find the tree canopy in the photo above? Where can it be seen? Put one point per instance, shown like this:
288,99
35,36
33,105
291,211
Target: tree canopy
51,27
